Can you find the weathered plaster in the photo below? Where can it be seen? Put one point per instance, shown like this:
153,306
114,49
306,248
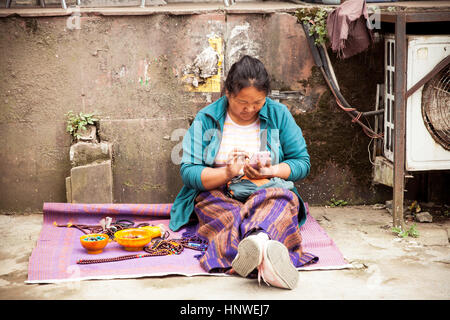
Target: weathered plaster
129,71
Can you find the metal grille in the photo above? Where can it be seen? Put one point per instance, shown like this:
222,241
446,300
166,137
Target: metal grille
436,107
389,77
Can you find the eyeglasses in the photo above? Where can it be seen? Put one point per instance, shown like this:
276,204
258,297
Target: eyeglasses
246,104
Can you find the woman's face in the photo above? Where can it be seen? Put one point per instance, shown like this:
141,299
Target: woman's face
244,107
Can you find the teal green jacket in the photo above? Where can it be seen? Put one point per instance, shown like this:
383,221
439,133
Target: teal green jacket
280,135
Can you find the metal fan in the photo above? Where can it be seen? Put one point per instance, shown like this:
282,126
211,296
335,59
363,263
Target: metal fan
436,107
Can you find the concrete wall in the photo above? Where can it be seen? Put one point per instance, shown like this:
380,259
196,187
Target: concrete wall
131,71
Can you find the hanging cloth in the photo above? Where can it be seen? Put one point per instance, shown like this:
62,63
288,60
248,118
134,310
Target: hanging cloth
347,28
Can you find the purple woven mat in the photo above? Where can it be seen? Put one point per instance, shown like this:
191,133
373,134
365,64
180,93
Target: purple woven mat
58,249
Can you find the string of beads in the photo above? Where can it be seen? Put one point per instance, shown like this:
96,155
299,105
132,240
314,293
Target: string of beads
156,247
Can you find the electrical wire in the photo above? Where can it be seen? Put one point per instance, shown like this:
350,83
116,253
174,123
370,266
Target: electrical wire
368,150
322,61
352,112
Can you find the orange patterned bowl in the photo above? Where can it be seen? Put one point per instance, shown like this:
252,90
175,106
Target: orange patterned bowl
94,242
133,239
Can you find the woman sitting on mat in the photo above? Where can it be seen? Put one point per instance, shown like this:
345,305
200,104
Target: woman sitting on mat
259,232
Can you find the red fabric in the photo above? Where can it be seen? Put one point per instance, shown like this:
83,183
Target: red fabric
347,28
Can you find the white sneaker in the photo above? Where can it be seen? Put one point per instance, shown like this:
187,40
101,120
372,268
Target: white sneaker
250,254
276,268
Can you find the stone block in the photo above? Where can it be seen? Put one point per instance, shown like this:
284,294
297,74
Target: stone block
388,204
424,217
92,183
68,190
433,237
83,153
89,134
383,172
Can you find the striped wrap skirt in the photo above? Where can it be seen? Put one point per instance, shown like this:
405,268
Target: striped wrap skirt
225,221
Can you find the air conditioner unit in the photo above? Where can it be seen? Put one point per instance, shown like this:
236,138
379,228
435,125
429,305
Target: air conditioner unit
427,110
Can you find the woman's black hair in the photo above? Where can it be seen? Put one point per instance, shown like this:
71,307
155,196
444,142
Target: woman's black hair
247,72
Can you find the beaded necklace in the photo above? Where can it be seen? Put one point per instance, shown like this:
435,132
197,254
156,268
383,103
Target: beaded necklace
156,247
108,227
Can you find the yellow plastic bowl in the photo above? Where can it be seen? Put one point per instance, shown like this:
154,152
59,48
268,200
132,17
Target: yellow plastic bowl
134,239
94,247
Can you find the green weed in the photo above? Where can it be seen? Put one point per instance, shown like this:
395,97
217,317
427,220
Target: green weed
337,203
317,20
78,122
411,232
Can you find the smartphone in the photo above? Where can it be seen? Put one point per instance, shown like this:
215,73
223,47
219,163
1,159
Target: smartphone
262,156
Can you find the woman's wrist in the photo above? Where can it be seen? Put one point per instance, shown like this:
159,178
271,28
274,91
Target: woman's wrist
268,172
229,174
281,170
215,177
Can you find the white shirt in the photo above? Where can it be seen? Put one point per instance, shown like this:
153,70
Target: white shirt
237,136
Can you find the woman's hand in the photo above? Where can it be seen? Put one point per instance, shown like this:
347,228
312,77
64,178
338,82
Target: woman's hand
216,177
235,162
262,171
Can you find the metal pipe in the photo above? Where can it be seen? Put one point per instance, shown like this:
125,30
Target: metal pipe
373,113
399,120
312,45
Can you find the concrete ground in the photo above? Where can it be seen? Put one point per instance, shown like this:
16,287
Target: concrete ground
384,266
